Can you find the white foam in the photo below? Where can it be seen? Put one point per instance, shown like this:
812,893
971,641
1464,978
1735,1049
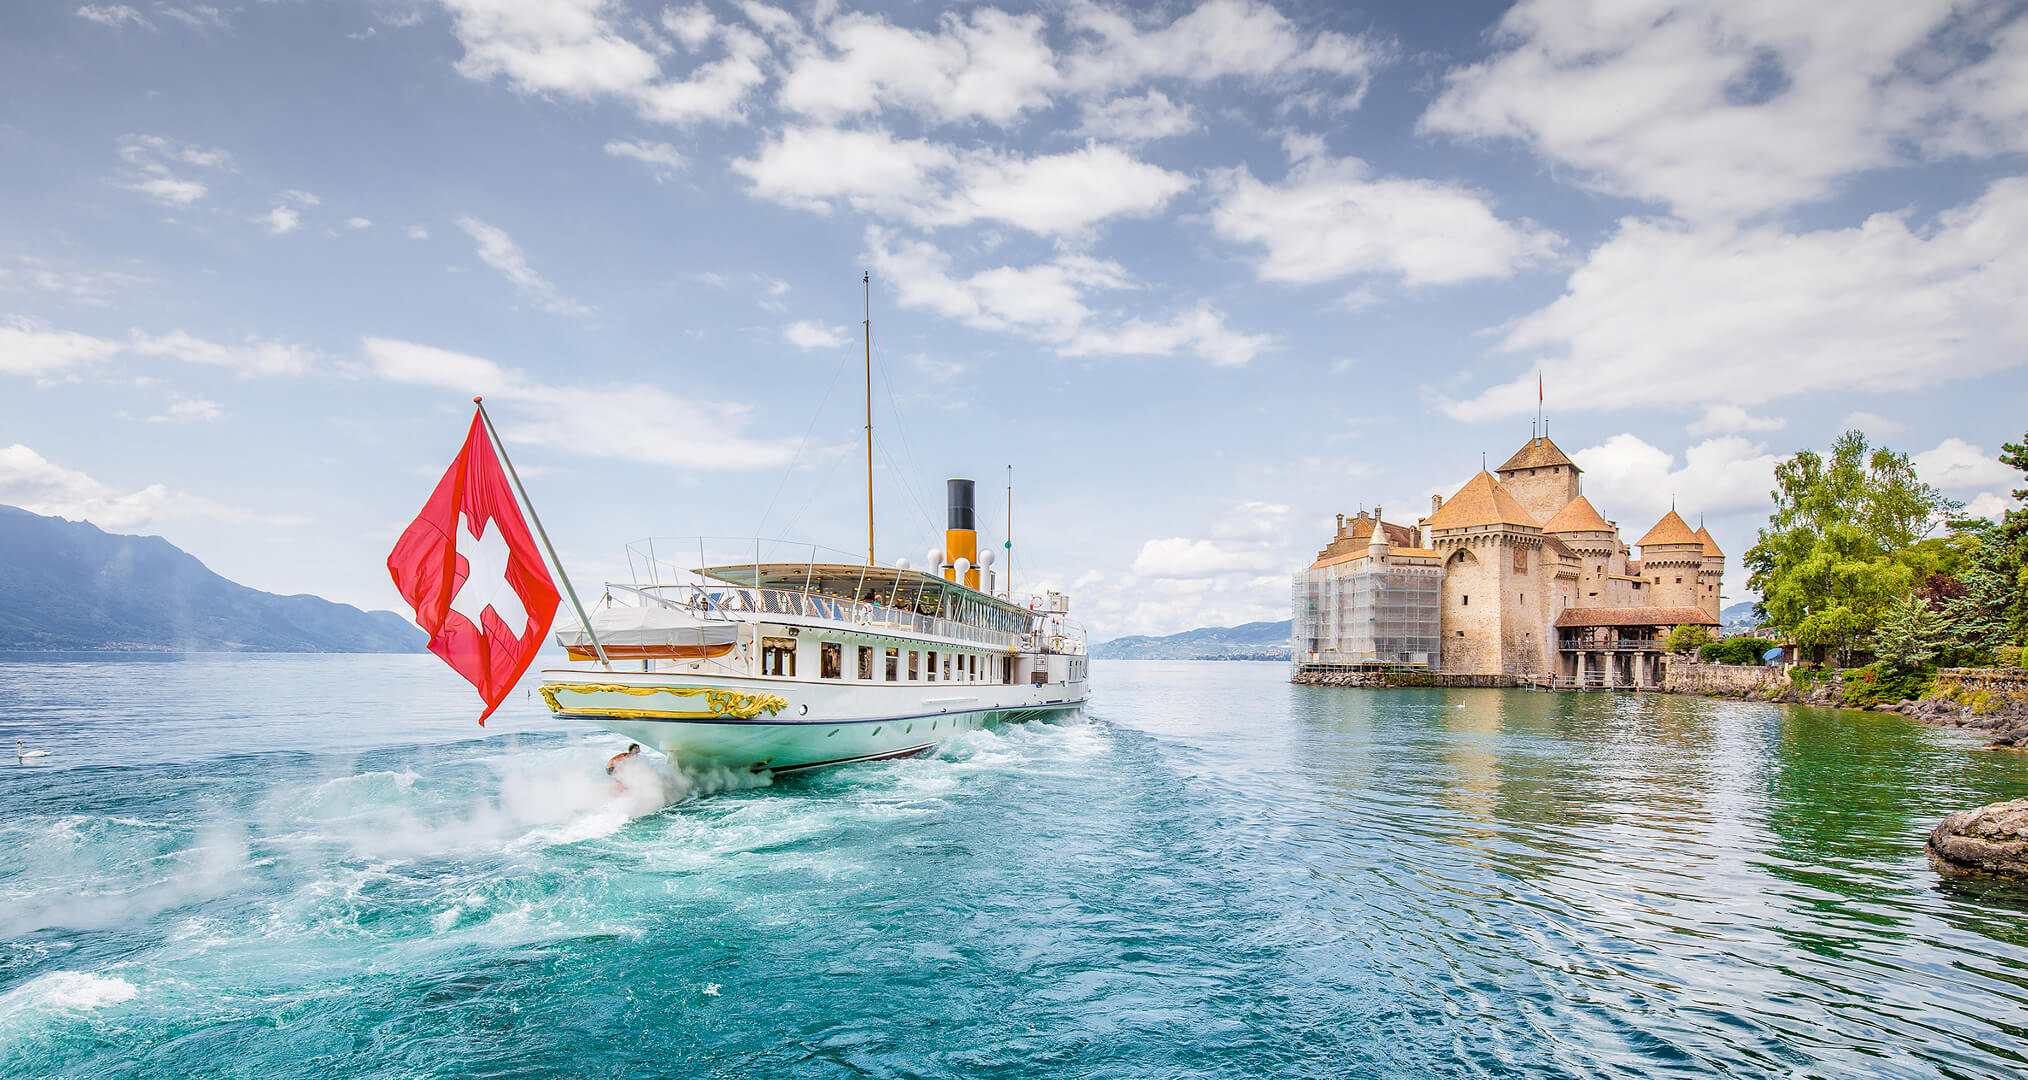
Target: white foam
67,991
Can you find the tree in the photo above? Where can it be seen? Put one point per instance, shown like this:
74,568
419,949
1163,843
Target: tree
1687,638
1907,638
1841,546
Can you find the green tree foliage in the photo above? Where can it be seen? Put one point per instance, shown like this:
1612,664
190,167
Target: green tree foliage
1908,635
1687,638
1739,650
1841,545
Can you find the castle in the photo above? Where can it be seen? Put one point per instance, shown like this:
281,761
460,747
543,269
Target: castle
1515,574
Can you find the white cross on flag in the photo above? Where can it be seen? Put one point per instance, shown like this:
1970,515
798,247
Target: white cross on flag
471,570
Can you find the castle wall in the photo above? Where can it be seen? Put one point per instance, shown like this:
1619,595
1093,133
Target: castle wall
1678,569
1471,611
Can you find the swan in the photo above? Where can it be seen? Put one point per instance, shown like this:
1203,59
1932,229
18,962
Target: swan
22,754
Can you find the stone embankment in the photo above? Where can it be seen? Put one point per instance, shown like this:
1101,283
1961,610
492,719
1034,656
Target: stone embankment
1380,680
1993,839
1990,701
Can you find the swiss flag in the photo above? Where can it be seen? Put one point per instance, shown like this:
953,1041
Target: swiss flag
471,571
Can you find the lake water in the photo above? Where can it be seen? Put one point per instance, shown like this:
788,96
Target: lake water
272,867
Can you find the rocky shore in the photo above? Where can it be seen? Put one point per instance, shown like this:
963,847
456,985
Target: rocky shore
1991,839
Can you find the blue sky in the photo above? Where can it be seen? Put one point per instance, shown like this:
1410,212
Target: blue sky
1205,274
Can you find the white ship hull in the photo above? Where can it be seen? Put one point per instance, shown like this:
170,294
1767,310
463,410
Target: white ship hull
783,725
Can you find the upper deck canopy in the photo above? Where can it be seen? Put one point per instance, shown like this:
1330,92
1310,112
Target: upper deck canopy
914,589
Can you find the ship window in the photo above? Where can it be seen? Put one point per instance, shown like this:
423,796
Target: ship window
947,668
893,665
831,661
932,667
778,656
914,659
866,662
975,665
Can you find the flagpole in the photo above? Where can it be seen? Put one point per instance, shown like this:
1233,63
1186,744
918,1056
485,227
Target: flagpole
500,448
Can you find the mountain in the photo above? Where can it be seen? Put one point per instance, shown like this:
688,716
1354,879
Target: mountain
1251,641
1736,618
67,585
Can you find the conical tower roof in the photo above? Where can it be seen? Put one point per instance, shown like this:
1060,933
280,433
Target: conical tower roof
1538,453
1710,546
1482,501
1672,529
1578,516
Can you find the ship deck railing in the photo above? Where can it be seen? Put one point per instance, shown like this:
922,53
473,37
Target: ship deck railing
733,603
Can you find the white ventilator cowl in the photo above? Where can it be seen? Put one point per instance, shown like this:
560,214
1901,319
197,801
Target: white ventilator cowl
936,557
986,557
901,564
962,566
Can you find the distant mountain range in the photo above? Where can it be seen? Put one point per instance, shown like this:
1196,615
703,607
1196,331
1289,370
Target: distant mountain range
1251,641
68,586
1737,617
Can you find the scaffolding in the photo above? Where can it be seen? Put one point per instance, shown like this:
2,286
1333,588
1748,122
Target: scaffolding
1368,613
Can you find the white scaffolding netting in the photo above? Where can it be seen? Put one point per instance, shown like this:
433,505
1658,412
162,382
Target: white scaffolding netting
1355,614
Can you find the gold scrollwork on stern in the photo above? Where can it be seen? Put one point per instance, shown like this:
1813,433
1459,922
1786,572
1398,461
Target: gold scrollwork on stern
733,703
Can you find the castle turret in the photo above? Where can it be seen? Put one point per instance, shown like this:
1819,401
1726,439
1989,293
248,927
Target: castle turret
1541,477
1672,556
1496,581
1710,575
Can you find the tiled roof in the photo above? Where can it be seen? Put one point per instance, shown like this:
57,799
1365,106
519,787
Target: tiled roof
1393,553
1634,616
1710,546
1537,453
1577,516
1482,501
1670,530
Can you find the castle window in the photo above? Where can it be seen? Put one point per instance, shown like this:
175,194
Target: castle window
1468,601
1461,633
1679,581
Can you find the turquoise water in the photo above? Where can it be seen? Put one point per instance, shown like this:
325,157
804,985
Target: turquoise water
317,866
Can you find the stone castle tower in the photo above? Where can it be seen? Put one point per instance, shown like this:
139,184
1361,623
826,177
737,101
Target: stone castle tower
1495,580
1672,559
1541,478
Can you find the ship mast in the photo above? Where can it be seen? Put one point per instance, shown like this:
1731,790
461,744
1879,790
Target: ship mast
866,281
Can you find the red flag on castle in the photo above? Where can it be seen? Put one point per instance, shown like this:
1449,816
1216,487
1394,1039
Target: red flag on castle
472,572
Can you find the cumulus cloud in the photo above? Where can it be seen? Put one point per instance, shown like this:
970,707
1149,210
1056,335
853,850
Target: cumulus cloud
1728,419
809,334
156,167
418,232
287,212
660,156
358,223
116,16
34,483
1331,218
1137,119
499,251
638,422
930,185
993,66
591,49
1666,313
1723,109
1182,557
1628,476
185,409
1955,465
1047,302
1220,39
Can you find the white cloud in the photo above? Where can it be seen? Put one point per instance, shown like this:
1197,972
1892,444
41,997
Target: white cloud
1729,419
92,288
1677,315
930,185
1046,301
1254,520
808,334
587,49
30,348
1958,466
1137,119
287,212
499,251
184,409
640,422
358,223
663,157
196,16
1993,505
1874,424
39,486
150,159
1181,557
994,67
113,15
1723,108
1219,39
1637,481
418,232
1331,218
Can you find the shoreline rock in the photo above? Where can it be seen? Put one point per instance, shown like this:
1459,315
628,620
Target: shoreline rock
1989,839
